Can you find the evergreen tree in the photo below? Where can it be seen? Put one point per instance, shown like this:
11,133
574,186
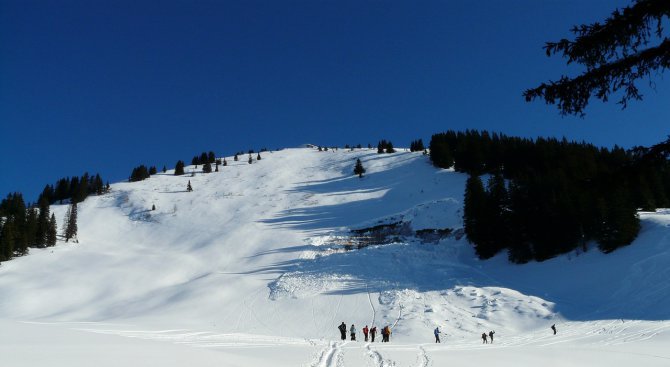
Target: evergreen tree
164,169
358,169
30,228
152,170
7,240
211,157
99,186
207,168
235,158
71,223
474,211
52,231
189,188
251,160
621,223
225,163
258,157
140,173
389,147
440,152
179,168
42,222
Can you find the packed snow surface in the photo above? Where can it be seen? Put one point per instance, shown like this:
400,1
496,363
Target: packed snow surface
258,265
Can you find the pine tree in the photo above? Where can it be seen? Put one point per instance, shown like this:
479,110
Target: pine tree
235,158
7,240
358,169
474,211
42,222
225,163
179,168
207,168
164,169
30,228
189,188
251,160
71,223
258,157
51,236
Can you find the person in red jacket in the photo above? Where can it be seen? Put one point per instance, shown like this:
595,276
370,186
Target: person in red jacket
365,332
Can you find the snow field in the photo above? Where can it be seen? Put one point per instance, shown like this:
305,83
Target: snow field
250,268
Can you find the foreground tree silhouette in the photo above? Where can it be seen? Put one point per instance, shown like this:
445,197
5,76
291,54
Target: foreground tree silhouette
615,53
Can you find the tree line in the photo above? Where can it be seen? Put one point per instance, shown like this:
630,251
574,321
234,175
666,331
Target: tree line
547,196
74,189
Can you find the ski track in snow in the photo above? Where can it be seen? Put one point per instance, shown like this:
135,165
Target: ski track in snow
422,358
377,359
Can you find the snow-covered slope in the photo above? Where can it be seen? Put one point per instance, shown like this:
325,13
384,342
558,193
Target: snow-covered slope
256,257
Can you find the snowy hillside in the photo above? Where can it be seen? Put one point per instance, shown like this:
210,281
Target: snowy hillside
259,264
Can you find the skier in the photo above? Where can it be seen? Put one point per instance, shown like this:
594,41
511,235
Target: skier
437,334
484,341
491,335
353,332
343,330
553,327
365,332
384,334
373,331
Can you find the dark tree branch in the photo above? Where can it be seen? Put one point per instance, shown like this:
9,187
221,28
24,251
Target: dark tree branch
573,94
615,55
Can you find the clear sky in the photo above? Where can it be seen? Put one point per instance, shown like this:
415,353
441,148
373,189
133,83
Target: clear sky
104,86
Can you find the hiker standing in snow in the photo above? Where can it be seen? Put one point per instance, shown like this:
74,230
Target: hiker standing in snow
553,327
373,331
437,334
365,332
343,331
353,332
484,341
491,335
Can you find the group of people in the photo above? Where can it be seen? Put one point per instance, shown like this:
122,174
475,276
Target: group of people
386,333
369,334
485,338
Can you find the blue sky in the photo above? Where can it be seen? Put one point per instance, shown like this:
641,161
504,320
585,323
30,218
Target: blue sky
104,86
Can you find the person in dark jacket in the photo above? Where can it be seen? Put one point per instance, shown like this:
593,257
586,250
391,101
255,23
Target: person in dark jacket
491,335
343,331
484,341
373,332
437,334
